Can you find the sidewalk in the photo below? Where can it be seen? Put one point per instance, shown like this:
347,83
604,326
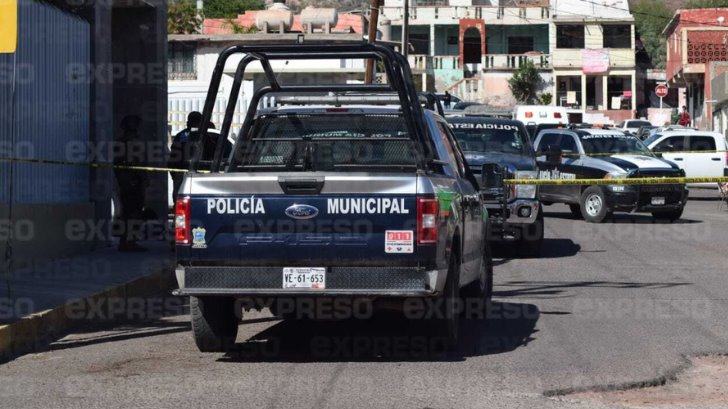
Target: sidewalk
42,300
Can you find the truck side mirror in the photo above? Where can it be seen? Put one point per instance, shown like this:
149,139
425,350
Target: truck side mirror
554,155
491,177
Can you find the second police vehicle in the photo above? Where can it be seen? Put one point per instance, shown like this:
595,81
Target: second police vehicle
516,214
594,153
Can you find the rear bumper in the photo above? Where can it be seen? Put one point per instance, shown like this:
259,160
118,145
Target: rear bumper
340,281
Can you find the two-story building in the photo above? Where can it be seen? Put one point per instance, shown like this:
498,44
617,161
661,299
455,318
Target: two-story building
472,47
696,41
593,47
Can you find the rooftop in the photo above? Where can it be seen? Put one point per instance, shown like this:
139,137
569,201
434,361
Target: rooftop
579,10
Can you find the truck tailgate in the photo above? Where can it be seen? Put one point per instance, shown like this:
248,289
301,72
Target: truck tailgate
263,225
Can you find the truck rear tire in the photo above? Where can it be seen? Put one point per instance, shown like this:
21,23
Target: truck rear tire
594,207
214,323
532,239
477,295
447,320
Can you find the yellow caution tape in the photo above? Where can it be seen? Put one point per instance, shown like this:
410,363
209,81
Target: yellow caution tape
627,181
96,165
569,154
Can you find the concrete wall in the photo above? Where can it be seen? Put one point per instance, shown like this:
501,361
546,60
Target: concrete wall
593,38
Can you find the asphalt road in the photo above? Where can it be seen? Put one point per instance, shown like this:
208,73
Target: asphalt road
607,305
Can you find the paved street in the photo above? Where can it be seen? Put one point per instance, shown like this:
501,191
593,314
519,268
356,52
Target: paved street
608,305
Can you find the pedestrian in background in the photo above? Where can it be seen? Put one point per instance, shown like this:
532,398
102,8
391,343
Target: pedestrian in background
447,100
180,151
132,182
684,118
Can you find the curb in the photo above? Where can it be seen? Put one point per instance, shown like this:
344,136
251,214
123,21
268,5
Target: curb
34,332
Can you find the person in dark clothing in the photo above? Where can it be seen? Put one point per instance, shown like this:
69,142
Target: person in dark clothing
447,99
132,182
180,151
185,144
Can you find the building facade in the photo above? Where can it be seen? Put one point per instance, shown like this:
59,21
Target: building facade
76,72
696,39
584,51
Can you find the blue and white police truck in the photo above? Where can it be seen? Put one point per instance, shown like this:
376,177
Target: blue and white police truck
329,201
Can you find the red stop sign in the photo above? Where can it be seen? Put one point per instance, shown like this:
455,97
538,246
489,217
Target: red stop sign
661,90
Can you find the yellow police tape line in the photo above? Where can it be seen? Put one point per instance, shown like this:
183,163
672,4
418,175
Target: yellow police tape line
627,181
96,165
569,154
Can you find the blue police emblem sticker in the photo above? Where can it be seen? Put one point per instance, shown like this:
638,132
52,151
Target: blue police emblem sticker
198,238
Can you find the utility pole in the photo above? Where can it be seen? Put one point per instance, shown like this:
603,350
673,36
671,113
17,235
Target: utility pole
405,29
373,22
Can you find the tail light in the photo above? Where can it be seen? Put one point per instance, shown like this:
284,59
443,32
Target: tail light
557,114
428,220
182,221
529,114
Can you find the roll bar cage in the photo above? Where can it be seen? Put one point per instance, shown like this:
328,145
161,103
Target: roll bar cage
400,81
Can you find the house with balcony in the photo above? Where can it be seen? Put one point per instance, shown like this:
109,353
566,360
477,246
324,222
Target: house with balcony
472,47
593,57
697,49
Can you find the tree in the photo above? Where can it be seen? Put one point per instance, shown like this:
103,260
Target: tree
546,98
230,8
650,18
182,18
525,83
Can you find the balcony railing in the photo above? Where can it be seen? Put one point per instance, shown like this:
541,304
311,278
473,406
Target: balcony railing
420,62
515,61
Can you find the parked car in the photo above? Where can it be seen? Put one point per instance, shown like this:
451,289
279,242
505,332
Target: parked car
606,154
698,153
516,215
633,125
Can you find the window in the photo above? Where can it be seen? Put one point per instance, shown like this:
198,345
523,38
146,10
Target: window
498,138
324,142
548,140
520,45
701,143
568,144
671,144
181,61
570,36
617,36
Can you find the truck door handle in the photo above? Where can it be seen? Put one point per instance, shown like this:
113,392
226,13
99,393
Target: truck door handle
678,159
715,159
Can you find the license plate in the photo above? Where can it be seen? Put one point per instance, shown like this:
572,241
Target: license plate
313,278
658,201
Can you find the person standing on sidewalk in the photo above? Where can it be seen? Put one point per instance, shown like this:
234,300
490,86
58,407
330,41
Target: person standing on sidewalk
130,151
684,118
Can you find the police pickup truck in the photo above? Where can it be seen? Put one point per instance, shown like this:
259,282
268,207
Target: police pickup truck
335,202
594,153
516,213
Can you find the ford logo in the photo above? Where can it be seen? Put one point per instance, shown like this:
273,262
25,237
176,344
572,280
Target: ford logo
302,211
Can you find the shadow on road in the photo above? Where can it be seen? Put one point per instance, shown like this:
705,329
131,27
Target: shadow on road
621,218
388,337
559,289
552,248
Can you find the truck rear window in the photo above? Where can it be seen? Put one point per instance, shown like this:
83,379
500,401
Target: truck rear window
325,142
